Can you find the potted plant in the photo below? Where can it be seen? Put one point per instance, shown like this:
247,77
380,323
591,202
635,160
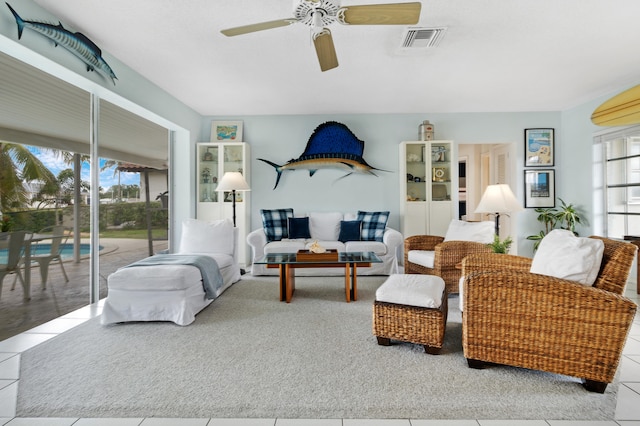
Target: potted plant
500,246
566,217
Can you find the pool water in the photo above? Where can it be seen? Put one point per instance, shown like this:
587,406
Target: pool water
66,250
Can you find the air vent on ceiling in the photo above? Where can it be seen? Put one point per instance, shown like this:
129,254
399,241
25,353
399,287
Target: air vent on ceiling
421,38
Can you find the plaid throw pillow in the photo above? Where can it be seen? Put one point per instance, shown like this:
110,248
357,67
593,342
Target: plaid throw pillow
275,223
373,225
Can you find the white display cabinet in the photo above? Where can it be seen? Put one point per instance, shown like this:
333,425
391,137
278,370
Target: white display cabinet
428,187
213,161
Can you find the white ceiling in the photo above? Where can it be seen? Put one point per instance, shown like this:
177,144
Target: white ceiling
497,55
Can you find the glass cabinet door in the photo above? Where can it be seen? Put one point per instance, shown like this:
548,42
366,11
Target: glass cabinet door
208,173
233,160
441,172
416,172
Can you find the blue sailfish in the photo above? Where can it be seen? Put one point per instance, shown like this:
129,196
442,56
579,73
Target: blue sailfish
76,43
331,146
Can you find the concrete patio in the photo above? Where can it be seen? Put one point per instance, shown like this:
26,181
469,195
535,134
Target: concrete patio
60,298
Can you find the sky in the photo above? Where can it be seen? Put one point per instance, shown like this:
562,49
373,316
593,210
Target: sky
107,177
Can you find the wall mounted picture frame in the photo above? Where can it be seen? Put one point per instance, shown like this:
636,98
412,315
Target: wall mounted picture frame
539,188
539,147
226,131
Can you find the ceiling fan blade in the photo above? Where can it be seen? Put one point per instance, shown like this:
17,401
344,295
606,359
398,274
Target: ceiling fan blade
325,50
230,32
381,14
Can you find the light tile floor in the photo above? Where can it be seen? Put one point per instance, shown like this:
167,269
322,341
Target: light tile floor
627,409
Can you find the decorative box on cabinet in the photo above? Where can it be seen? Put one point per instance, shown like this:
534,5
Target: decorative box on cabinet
213,161
428,187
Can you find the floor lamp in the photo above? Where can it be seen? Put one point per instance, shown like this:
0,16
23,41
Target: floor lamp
498,199
233,181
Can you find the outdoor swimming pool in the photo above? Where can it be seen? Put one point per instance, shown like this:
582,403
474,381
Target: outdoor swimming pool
67,250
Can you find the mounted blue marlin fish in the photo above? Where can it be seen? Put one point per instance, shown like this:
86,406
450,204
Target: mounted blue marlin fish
76,43
331,146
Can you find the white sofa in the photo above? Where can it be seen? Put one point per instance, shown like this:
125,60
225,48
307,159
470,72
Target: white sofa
325,228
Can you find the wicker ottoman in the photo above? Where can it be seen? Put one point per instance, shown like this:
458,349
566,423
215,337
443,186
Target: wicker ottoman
411,308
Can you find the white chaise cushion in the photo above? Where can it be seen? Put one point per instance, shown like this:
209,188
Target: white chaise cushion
155,278
563,255
412,289
200,236
325,226
424,258
480,232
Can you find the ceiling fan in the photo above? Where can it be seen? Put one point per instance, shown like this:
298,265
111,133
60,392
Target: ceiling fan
318,14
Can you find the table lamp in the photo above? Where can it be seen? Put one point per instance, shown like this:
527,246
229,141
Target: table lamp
498,199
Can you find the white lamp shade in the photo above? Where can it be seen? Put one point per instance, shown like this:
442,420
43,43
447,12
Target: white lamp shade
233,181
498,199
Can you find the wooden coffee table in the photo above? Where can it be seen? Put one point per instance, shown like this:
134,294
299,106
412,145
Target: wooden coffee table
288,263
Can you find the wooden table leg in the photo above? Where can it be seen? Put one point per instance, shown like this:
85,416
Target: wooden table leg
283,282
354,282
290,281
347,282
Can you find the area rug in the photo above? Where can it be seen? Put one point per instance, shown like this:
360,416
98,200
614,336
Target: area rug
250,355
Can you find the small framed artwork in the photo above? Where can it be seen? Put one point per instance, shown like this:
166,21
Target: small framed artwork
539,188
538,147
226,131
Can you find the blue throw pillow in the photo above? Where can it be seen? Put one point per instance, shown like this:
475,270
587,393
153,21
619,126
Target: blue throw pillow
349,230
275,223
373,225
299,227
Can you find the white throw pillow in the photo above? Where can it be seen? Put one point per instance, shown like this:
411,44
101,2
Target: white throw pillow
480,232
325,226
563,255
200,236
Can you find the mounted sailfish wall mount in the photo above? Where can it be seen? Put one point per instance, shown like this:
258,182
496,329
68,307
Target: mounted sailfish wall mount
331,146
76,43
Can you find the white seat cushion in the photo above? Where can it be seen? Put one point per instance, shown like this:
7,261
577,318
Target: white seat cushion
375,246
563,255
424,258
425,291
155,278
291,246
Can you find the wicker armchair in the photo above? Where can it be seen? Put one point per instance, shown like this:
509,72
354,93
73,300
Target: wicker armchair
514,317
447,257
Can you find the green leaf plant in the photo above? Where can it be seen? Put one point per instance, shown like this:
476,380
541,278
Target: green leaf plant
567,216
500,246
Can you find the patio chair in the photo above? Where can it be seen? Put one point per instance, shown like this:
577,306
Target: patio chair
14,243
59,236
514,317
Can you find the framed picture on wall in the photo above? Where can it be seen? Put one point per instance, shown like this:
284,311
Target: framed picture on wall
538,147
226,131
539,188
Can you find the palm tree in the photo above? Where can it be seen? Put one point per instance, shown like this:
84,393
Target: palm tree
19,165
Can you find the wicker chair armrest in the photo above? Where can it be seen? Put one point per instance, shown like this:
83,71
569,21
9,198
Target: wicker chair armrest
422,242
495,262
449,254
522,308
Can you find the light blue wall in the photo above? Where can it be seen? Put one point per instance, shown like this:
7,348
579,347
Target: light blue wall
281,138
